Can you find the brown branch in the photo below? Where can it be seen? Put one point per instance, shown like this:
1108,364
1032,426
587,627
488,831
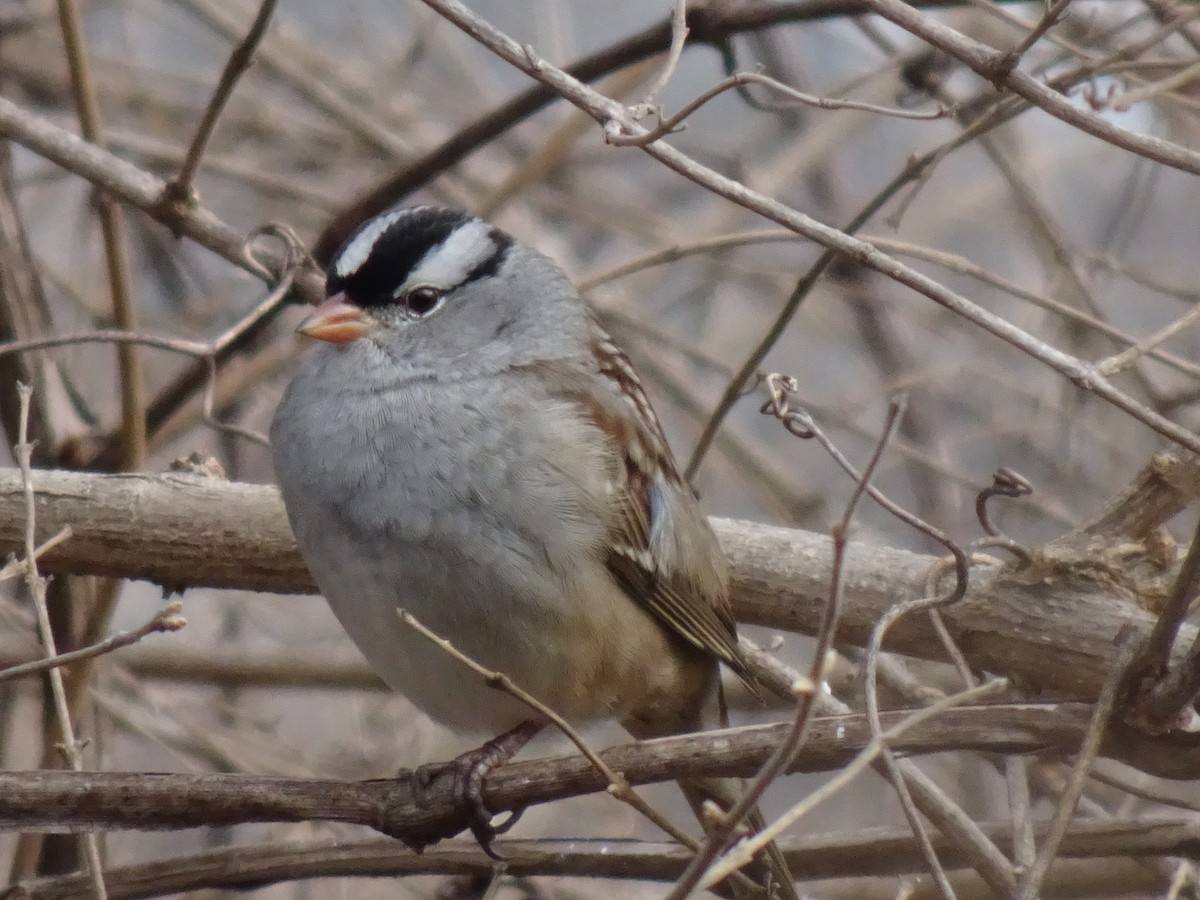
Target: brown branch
179,190
1165,487
864,853
1049,625
113,800
166,619
116,248
138,188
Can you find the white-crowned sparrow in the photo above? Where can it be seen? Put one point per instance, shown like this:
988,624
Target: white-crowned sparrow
468,443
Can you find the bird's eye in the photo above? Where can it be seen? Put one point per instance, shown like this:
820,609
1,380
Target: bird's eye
422,300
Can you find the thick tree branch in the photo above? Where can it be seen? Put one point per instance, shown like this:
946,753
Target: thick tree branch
1048,624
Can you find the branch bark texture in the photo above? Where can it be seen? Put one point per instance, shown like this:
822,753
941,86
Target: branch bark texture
1048,624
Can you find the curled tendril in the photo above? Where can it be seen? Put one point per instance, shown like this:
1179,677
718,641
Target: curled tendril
1005,483
780,389
295,254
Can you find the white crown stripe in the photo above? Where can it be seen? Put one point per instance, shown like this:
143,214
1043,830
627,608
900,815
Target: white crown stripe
355,253
449,263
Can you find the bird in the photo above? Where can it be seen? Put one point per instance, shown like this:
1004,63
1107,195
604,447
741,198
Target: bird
468,443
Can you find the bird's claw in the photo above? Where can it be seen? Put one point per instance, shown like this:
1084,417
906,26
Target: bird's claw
469,771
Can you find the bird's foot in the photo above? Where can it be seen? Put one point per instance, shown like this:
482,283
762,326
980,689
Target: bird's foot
469,771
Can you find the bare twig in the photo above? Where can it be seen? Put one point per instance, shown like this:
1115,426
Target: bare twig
906,779
15,567
745,849
1031,881
206,352
166,619
679,33
1050,18
133,429
707,24
1120,361
1016,776
675,122
36,586
179,190
138,188
996,65
806,700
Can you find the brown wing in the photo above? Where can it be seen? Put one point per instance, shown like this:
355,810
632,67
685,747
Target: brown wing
701,619
664,553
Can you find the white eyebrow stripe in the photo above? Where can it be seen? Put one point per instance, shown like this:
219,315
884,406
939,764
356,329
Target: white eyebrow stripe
449,263
356,252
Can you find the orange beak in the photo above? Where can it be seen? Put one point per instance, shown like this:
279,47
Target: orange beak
336,320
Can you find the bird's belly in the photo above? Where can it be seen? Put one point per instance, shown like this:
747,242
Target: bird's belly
541,643
438,684
590,656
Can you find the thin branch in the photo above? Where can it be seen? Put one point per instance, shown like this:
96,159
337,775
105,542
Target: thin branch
1031,882
166,619
872,852
15,567
951,261
1023,836
1127,99
1050,18
709,24
998,66
679,33
674,123
745,849
116,251
36,585
616,121
1120,361
207,354
806,703
140,189
906,779
293,59
179,190
917,170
